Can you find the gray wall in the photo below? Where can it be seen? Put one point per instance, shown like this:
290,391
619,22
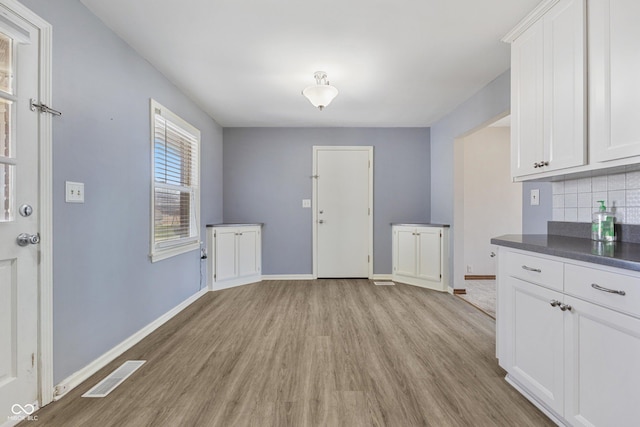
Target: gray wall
534,218
105,287
488,103
267,174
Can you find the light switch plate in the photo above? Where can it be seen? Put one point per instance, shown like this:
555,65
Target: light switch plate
535,197
306,203
74,192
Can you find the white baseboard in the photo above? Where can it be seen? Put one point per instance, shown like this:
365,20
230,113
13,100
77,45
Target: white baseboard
287,277
450,290
75,379
232,283
382,277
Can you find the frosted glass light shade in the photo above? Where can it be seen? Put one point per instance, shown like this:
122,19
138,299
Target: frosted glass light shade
320,95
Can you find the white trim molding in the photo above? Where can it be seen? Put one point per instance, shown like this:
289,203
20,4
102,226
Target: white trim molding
288,277
526,22
83,374
382,277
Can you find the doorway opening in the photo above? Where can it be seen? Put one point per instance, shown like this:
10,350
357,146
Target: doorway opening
487,203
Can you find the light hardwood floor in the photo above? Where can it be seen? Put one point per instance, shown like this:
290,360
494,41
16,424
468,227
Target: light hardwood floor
313,353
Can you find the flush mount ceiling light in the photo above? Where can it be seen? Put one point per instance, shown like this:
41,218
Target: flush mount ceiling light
322,93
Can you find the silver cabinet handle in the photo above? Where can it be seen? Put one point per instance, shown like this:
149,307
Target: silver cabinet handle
535,270
611,291
554,303
565,307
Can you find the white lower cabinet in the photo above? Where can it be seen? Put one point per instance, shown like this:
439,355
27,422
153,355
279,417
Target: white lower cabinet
570,351
420,256
536,336
602,362
235,254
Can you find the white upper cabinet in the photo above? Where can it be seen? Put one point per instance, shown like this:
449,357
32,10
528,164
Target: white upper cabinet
548,86
614,75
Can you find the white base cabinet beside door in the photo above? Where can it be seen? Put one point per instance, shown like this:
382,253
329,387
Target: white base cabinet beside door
568,335
420,256
235,255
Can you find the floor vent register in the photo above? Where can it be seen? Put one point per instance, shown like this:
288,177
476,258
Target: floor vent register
114,379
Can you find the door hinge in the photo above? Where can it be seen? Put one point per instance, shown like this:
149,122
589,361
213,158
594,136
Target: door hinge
369,211
368,259
214,276
33,360
369,164
441,276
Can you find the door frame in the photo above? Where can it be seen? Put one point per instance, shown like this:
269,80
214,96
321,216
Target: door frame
314,200
45,218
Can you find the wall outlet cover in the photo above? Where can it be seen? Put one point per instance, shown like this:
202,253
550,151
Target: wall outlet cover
74,192
535,197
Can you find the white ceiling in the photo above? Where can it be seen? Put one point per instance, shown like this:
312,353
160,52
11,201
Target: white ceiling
395,62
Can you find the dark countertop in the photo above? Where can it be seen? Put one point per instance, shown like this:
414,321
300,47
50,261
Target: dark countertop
425,224
257,224
616,254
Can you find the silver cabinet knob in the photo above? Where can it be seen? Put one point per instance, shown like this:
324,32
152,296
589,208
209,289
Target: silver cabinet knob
565,307
25,239
554,303
321,221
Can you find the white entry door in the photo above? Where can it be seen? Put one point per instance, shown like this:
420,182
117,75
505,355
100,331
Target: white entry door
19,215
343,209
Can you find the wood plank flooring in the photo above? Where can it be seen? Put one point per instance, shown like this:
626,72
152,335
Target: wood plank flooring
312,353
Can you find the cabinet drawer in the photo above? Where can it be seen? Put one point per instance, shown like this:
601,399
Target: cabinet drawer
583,282
542,271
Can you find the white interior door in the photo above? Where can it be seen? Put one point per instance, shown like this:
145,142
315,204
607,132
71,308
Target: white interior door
19,176
343,211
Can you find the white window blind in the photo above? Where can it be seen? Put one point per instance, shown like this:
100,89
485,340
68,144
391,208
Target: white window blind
176,181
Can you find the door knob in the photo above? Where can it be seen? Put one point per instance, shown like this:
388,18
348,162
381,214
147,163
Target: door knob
25,239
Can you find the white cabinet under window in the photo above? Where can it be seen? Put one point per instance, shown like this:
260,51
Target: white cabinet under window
420,255
235,255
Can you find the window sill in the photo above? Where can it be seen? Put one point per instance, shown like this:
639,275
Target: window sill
165,253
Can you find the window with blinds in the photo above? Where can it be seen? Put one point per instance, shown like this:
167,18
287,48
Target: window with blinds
176,184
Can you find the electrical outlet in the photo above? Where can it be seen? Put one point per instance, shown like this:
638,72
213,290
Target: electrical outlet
74,192
469,269
306,203
535,197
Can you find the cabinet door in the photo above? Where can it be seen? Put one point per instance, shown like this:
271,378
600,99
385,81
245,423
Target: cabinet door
225,254
404,251
614,67
527,74
565,85
602,366
248,252
429,254
535,347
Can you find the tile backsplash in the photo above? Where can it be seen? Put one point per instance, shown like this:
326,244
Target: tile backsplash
577,199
